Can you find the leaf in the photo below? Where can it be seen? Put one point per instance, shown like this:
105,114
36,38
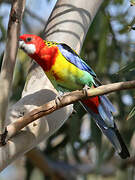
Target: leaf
129,67
125,29
102,45
131,114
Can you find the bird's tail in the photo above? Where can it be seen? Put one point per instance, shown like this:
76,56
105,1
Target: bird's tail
100,108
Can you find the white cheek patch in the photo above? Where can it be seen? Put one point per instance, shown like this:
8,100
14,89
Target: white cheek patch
28,48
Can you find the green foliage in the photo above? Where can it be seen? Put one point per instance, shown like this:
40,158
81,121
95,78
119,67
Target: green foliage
131,114
129,67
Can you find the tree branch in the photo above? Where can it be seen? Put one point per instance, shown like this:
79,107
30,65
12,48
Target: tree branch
9,59
65,100
64,22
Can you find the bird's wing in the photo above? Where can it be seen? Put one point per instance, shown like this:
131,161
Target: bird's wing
74,58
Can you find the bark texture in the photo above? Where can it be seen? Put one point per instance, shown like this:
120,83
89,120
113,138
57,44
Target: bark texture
68,23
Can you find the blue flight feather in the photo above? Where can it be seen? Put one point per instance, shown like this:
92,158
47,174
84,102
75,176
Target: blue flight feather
111,133
107,103
73,57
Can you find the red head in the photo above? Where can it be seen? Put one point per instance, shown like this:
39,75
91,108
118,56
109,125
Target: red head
36,48
31,44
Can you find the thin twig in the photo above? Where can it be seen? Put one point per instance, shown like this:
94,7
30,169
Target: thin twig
9,58
65,100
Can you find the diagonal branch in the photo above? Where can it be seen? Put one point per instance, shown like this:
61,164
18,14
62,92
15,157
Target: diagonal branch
9,59
65,100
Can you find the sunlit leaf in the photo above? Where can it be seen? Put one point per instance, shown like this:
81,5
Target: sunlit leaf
131,114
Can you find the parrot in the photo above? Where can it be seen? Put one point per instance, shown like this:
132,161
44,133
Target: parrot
68,72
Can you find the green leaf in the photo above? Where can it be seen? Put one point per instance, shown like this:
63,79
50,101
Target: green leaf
102,45
131,114
129,67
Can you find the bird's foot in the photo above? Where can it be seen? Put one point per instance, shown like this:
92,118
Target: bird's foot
85,89
59,97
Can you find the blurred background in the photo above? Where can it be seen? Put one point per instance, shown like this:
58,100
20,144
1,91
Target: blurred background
79,150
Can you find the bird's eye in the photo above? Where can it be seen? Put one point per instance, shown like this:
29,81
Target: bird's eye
28,39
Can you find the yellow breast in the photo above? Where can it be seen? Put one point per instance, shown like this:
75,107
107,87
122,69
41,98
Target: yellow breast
65,73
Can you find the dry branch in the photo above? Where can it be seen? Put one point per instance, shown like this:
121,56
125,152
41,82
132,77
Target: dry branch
65,100
9,59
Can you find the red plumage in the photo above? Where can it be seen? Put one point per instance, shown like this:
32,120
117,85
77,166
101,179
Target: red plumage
92,103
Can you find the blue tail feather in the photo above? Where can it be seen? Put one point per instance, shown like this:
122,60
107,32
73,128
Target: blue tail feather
104,121
107,103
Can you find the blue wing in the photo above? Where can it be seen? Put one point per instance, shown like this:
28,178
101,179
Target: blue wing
73,57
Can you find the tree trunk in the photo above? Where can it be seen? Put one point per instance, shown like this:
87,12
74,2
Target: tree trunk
68,23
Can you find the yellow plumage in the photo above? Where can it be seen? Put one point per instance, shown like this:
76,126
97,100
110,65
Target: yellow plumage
66,74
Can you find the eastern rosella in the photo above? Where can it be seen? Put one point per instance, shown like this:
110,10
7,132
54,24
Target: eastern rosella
68,72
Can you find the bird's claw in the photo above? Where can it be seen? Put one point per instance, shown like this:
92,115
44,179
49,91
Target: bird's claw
86,87
59,97
57,100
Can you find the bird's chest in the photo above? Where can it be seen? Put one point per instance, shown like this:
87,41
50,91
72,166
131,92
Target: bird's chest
59,72
65,74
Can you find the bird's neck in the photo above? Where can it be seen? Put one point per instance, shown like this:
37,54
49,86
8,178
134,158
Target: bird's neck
46,57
